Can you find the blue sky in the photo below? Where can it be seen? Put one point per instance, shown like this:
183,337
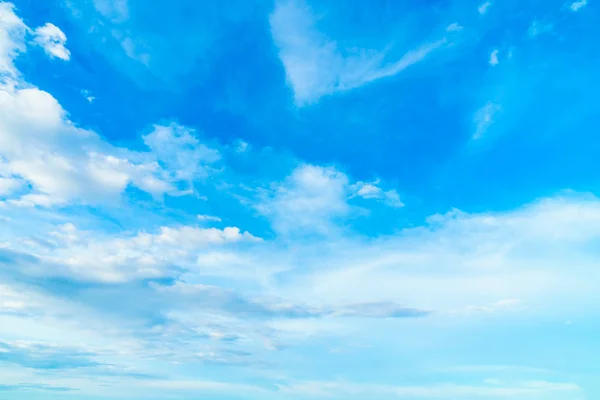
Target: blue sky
299,199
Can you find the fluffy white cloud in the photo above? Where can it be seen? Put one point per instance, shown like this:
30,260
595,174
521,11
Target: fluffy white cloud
52,40
315,199
308,200
12,38
315,65
63,163
88,256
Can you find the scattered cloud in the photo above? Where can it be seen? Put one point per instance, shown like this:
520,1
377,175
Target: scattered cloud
368,190
454,27
52,40
211,218
308,200
179,150
537,28
114,250
494,58
578,5
63,163
88,95
241,146
312,198
95,257
483,8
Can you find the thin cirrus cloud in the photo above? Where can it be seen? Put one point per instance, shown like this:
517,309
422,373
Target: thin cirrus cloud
314,63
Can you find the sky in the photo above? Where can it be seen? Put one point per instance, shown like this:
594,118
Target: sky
299,199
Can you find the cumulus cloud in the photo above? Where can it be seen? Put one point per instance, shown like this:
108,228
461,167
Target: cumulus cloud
63,163
371,190
12,38
308,200
88,256
52,40
312,199
314,63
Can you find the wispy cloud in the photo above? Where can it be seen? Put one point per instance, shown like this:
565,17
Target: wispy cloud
494,58
578,5
484,118
314,63
483,8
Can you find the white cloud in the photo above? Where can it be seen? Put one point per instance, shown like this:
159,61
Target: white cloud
308,200
484,118
90,256
482,9
52,40
9,186
370,190
460,260
209,218
64,163
578,5
494,58
454,27
12,38
88,95
177,148
315,199
488,264
314,64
